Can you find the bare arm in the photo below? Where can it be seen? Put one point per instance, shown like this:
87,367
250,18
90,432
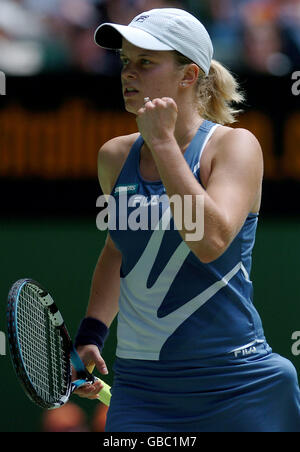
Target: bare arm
105,288
233,186
231,192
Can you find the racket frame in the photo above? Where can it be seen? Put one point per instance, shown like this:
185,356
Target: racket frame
69,353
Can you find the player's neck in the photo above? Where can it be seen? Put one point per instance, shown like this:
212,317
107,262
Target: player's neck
186,128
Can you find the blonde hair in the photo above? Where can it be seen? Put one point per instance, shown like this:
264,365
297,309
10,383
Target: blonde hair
216,92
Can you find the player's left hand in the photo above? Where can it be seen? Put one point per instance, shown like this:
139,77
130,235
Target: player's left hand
90,355
156,121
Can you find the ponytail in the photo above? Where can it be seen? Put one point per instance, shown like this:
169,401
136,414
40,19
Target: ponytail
216,92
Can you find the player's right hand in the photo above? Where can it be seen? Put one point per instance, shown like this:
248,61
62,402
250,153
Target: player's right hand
91,357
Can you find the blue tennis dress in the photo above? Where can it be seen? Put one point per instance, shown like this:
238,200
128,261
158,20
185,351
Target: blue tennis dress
191,352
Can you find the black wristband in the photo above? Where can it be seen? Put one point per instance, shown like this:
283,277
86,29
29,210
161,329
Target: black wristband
91,331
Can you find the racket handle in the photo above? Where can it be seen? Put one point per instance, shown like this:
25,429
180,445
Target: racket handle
104,395
90,368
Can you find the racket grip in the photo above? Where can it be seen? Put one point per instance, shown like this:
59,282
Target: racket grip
104,395
90,368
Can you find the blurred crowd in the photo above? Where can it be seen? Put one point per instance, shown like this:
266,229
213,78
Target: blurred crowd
38,36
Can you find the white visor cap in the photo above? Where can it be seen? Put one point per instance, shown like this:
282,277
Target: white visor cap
162,29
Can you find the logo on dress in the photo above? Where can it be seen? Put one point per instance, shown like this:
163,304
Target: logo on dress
126,189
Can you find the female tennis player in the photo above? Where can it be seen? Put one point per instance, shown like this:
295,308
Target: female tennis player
191,352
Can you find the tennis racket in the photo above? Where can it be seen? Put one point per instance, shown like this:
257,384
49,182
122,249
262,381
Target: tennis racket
41,348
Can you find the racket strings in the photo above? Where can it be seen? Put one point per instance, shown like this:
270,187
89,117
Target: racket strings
41,346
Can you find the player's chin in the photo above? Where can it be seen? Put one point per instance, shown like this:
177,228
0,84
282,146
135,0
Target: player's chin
132,106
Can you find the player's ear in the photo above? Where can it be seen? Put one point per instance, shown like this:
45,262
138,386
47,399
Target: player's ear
190,75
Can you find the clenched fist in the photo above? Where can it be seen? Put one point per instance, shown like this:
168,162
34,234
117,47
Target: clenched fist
156,121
